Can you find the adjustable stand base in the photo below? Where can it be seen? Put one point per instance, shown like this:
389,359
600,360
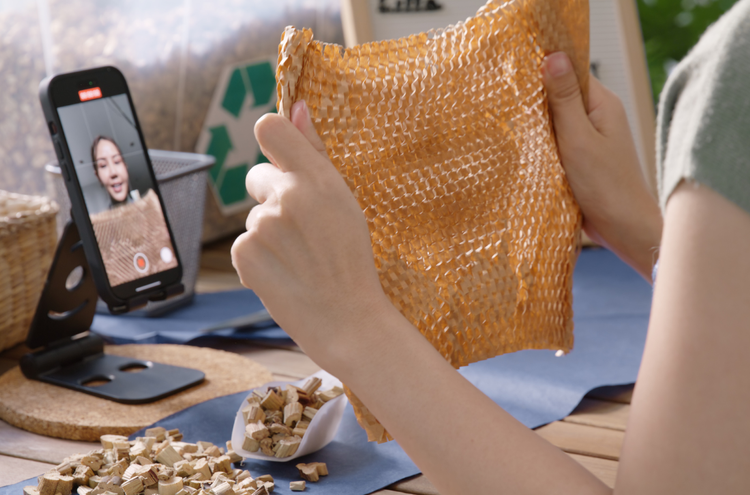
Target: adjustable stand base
72,360
117,378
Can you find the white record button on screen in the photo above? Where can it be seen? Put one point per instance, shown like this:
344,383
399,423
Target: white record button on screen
166,255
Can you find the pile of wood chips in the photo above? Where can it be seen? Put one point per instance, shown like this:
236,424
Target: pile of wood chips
160,463
276,421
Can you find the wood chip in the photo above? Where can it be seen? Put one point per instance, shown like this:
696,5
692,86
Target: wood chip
159,433
254,434
201,467
288,447
184,469
48,484
257,430
139,450
91,461
212,451
243,476
309,412
94,481
193,483
221,464
168,456
279,428
250,444
304,399
133,486
202,446
234,456
312,471
274,417
107,484
308,472
253,413
246,484
189,448
65,468
291,394
331,394
292,413
271,401
82,474
223,488
297,486
266,446
312,385
322,468
170,486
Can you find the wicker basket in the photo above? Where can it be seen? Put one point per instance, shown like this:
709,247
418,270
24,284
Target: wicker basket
27,245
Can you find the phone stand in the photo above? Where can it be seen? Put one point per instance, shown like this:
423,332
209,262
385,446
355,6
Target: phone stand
73,359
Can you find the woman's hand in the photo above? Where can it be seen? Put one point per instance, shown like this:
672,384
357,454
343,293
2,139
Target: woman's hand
600,160
307,252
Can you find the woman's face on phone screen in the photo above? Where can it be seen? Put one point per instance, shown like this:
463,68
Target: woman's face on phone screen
111,170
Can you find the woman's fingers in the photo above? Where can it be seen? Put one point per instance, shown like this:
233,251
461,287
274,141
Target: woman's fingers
284,144
261,181
564,93
301,120
598,94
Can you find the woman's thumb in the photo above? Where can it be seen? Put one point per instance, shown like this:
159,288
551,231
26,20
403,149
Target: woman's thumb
301,120
564,93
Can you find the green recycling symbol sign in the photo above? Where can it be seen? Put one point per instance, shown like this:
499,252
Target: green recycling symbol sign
243,94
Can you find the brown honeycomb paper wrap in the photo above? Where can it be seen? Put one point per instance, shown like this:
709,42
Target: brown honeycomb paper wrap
445,139
123,231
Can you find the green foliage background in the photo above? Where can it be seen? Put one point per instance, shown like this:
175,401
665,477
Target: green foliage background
671,28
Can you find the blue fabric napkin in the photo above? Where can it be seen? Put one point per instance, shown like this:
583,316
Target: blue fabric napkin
611,305
184,325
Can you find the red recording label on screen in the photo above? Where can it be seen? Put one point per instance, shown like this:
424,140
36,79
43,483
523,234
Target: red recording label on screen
90,94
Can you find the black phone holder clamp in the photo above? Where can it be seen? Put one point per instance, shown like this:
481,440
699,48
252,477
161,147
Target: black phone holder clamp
73,357
141,301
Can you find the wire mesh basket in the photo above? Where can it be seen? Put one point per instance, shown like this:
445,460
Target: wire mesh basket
182,182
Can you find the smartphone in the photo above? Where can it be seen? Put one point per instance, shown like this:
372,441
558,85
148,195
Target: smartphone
115,199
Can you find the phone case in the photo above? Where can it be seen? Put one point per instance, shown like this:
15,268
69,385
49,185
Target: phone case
121,298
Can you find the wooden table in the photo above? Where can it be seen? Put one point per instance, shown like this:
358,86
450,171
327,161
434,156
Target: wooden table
592,434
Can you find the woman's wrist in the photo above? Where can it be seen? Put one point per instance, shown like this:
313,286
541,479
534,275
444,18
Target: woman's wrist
636,236
363,334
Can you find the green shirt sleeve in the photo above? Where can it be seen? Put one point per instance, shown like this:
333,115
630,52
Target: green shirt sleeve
703,126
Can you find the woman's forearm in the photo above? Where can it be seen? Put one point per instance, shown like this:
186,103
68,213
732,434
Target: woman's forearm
461,440
636,237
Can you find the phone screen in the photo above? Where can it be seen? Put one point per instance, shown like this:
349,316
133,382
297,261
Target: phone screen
113,172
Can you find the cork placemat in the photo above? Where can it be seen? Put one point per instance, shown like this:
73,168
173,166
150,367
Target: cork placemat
59,412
